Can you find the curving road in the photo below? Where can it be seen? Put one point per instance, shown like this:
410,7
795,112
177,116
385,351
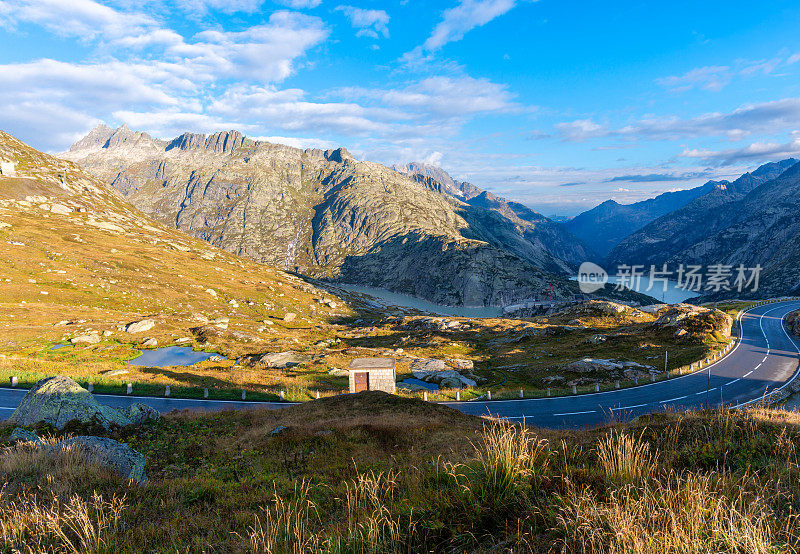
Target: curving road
765,359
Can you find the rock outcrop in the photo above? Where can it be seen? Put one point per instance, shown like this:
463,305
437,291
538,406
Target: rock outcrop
437,371
59,400
139,413
110,454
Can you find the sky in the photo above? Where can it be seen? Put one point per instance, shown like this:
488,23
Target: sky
555,103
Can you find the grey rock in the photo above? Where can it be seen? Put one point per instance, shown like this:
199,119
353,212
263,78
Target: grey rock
283,360
111,454
20,434
140,413
115,372
140,326
90,338
425,366
291,316
460,364
59,400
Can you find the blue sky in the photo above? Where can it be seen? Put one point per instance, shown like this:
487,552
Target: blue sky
559,104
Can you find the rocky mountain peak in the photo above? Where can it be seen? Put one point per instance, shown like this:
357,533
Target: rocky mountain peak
222,142
338,155
96,138
433,172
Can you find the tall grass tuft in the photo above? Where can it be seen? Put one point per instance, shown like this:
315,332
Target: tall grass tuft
509,454
32,523
624,457
682,514
287,525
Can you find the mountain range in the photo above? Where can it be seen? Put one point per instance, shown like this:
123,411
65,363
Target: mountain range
325,214
751,221
606,225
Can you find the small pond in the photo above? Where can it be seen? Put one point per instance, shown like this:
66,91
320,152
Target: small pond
419,382
171,355
57,346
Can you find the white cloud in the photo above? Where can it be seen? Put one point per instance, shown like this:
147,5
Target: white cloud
85,19
717,77
265,52
370,23
766,117
299,4
458,21
755,151
446,97
580,129
224,6
710,78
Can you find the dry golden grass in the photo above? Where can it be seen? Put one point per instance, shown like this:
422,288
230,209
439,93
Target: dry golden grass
691,513
624,457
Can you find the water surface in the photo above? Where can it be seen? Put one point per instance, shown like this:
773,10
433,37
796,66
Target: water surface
171,355
420,382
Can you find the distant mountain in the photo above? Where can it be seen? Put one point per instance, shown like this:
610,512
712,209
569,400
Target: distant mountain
761,228
606,225
327,215
507,224
671,237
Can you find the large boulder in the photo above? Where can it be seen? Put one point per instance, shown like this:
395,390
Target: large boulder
437,371
140,413
590,365
425,366
697,321
108,453
284,360
89,338
459,363
59,400
140,326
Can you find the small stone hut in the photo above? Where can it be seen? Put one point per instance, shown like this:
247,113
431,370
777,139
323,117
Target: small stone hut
373,374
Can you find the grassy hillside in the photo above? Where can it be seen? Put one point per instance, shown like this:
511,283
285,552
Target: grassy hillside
374,473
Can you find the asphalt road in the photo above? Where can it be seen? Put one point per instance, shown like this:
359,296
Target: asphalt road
765,359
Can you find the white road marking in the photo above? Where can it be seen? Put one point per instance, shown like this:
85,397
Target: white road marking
731,382
576,413
630,407
751,371
765,357
759,365
673,399
4,408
